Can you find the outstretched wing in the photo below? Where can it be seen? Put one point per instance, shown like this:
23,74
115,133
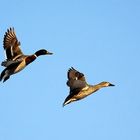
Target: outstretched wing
76,81
75,75
11,44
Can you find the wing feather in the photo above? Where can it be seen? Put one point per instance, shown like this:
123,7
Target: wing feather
76,81
11,44
75,75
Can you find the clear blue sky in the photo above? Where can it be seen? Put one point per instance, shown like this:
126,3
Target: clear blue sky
99,38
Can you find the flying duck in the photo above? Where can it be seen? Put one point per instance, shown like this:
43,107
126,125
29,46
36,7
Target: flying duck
79,88
15,59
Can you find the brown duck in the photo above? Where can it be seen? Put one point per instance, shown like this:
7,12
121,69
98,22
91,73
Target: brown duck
15,59
79,88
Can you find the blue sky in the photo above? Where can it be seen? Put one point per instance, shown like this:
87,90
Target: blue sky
99,38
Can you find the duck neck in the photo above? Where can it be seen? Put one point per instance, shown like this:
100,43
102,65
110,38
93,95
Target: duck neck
30,59
94,88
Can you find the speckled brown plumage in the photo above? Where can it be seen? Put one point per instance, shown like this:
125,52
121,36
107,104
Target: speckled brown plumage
79,88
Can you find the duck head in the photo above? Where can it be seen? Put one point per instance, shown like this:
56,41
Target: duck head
106,84
43,52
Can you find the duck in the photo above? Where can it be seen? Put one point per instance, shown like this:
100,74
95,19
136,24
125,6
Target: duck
16,60
79,88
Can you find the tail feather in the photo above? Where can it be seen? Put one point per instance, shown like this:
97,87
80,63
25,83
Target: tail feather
4,76
68,100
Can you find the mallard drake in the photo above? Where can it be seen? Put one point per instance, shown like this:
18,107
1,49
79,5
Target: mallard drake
79,88
15,59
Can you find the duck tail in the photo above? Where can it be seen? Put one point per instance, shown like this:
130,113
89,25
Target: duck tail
4,75
67,101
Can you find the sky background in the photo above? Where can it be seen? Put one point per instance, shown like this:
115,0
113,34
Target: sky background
99,38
